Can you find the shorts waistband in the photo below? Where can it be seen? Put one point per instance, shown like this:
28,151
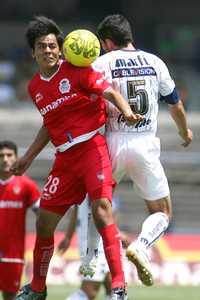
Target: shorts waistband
77,140
11,260
131,134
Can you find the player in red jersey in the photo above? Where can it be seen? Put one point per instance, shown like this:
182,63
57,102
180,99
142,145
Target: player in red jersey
17,194
70,99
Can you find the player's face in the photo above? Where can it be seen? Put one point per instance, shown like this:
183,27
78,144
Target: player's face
7,159
47,54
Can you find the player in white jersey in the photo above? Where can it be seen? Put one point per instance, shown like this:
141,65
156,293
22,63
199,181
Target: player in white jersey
90,285
143,79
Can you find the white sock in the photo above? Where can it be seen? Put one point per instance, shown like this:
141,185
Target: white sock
93,239
152,229
79,295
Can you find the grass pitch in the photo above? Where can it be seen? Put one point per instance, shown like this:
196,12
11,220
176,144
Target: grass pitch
135,292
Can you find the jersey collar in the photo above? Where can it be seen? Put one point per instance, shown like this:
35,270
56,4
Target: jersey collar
49,78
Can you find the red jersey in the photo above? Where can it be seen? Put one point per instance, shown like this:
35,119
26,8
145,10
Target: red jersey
70,101
16,195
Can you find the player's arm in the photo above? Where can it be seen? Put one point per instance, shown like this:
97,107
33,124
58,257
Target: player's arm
65,242
34,149
116,98
170,95
35,207
95,83
178,114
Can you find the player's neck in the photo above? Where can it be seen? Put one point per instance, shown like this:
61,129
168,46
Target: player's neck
129,47
5,176
46,73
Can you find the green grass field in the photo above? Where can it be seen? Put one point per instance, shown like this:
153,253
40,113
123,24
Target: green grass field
136,293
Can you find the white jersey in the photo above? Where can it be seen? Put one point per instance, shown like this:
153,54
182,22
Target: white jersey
141,78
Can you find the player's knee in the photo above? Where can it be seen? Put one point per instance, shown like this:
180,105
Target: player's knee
44,228
102,212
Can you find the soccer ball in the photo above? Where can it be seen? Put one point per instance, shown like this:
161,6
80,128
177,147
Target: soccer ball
81,47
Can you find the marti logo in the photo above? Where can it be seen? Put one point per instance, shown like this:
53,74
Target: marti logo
64,86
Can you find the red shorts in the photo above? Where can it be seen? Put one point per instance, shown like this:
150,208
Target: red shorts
83,169
10,276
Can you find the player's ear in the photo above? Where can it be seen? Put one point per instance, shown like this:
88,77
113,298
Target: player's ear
111,46
32,53
108,45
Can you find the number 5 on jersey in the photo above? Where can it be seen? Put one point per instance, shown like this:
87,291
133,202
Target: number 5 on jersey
138,97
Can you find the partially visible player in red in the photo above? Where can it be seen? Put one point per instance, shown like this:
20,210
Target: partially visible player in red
17,194
70,100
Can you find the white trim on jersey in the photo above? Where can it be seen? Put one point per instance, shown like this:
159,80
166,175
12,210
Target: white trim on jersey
12,260
77,140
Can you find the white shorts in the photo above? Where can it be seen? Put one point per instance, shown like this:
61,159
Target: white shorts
138,157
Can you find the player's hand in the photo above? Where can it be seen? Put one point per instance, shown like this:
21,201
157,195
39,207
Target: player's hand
187,137
20,166
126,240
63,246
132,118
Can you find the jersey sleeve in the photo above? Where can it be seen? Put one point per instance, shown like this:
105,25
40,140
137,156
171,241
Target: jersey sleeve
93,81
102,65
32,192
166,83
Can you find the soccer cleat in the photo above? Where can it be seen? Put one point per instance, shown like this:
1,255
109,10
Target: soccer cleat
119,294
140,259
28,294
88,269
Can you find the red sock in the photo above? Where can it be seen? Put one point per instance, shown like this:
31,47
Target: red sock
42,254
112,249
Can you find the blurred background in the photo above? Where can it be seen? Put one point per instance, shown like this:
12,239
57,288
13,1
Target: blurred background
169,29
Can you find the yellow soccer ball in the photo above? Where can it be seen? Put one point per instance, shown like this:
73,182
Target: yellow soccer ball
81,47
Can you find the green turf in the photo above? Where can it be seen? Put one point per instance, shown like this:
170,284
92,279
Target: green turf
138,293
135,293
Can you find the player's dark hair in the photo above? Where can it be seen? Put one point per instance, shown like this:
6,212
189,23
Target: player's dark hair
9,145
115,28
41,26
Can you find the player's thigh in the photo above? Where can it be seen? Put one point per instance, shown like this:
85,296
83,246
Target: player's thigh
10,276
147,172
63,186
98,172
117,151
160,205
